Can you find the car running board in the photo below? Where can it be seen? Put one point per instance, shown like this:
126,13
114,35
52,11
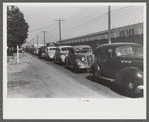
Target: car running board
106,78
70,66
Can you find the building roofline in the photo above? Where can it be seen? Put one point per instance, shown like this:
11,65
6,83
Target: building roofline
98,33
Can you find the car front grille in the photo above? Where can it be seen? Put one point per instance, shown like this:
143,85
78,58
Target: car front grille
89,59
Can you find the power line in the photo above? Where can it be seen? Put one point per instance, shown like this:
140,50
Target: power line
76,15
86,22
95,19
41,28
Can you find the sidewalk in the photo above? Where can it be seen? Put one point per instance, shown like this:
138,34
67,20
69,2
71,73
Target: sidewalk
13,66
17,76
25,79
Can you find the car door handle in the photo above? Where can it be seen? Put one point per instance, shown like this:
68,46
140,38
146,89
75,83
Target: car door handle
104,60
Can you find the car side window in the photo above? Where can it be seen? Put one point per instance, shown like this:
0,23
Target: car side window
101,52
109,53
71,51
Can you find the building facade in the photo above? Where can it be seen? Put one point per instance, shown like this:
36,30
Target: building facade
130,33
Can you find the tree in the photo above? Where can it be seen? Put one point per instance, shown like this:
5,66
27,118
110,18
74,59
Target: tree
17,28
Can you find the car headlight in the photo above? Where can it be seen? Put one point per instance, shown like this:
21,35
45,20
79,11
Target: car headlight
63,57
83,58
80,64
139,75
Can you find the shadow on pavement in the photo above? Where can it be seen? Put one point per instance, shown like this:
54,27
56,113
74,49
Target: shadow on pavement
72,70
108,84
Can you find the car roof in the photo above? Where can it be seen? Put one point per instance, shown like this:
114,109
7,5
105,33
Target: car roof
77,46
51,47
42,46
117,44
63,46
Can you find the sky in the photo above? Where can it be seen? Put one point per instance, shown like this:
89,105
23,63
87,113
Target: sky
78,19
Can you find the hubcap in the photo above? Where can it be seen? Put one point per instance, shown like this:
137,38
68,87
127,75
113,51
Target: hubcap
130,85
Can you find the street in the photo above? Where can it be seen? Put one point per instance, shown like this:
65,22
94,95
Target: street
39,78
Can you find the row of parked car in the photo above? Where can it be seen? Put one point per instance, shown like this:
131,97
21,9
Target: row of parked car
120,63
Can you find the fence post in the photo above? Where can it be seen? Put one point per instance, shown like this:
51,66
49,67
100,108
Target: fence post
17,54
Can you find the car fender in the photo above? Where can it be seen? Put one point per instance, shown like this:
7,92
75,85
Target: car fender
66,58
62,57
130,71
77,61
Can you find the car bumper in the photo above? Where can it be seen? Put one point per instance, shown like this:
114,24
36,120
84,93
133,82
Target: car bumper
51,56
139,90
140,87
84,66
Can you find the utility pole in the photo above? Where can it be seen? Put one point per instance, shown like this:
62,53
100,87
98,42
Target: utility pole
33,43
37,41
109,24
60,29
44,37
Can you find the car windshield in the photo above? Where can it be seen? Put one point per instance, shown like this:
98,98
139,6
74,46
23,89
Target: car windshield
52,49
65,49
83,50
129,51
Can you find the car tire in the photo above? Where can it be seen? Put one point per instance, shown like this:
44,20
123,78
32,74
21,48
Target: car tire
128,86
66,63
95,74
60,62
75,68
48,58
55,59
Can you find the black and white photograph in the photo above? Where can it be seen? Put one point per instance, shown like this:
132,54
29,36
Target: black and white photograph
74,60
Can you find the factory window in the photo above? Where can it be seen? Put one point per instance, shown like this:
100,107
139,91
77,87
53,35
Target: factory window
131,32
123,33
127,32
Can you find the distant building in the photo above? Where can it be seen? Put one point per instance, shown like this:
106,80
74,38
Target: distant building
50,43
39,45
129,33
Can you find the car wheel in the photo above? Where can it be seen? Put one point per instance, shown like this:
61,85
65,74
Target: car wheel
55,59
95,74
48,58
66,63
60,61
128,86
76,69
